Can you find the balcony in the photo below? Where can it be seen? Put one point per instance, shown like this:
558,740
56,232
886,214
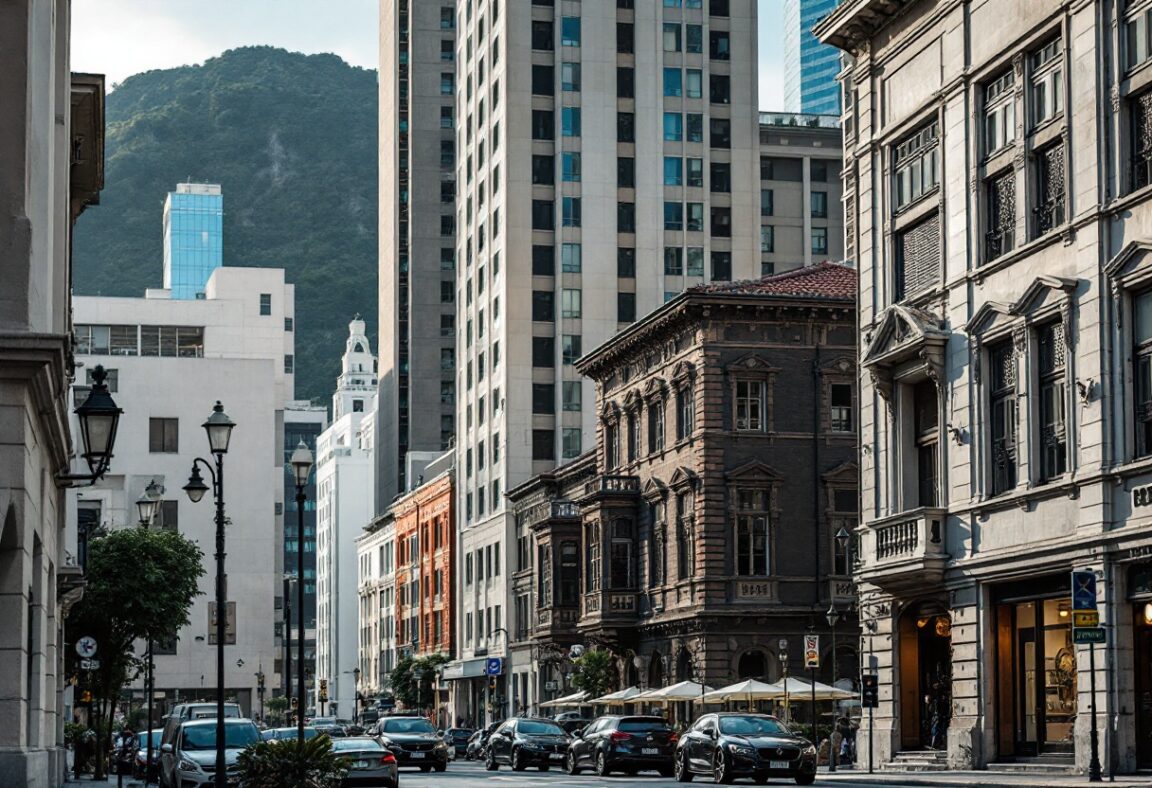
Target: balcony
565,510
1049,216
997,243
905,552
608,609
613,484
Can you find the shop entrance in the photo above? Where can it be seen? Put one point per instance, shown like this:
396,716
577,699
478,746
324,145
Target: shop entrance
925,678
1142,662
1037,677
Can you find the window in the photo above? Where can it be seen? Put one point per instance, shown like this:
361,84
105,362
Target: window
543,80
625,127
570,258
721,266
694,127
694,83
719,89
571,348
1139,41
592,557
572,394
163,436
750,405
570,304
447,83
695,217
685,536
1142,363
571,211
111,380
543,124
543,351
625,82
752,533
1049,188
542,170
671,36
621,566
719,47
673,261
655,426
542,35
570,122
673,216
693,39
543,306
1047,82
819,205
569,573
543,445
626,217
544,398
542,215
685,412
625,38
447,50
695,265
570,77
1001,215
819,240
1053,433
571,438
625,263
626,172
447,359
265,303
1002,405
718,7
447,18
625,307
673,171
721,177
918,257
999,112
767,239
916,161
695,172
766,205
570,31
721,222
673,82
840,407
673,126
543,260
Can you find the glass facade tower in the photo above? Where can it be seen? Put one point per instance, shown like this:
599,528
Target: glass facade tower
193,238
810,67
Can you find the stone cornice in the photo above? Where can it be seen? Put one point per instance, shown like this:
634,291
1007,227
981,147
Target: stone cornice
42,363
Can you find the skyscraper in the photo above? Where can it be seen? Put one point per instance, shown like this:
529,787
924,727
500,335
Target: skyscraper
810,67
193,238
417,237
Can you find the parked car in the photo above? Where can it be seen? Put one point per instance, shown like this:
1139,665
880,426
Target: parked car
370,762
194,711
190,758
622,743
527,741
730,745
330,726
276,734
457,739
142,754
414,742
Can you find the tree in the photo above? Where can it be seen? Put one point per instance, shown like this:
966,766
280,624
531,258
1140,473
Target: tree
272,764
140,584
595,672
276,706
412,679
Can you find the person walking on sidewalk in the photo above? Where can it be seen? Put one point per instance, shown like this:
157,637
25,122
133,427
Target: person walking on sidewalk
125,753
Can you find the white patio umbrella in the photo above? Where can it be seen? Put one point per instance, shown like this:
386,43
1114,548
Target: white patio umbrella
802,690
685,690
617,698
749,690
575,699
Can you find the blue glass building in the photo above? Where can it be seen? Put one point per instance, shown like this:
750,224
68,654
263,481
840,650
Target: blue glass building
810,67
193,238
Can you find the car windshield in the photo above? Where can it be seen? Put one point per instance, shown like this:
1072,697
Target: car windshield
634,726
236,736
539,728
751,726
356,744
290,733
408,725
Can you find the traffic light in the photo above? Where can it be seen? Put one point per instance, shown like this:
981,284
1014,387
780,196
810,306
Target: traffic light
492,683
869,691
293,703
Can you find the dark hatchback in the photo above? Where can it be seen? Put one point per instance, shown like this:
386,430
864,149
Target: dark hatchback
457,739
621,743
414,742
527,741
731,745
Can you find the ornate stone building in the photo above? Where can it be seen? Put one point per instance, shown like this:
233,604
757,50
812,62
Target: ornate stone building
701,530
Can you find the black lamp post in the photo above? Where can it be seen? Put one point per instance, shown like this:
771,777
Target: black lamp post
833,616
99,417
356,678
301,461
148,504
219,429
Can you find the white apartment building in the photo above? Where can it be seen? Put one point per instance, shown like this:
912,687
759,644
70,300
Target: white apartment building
376,559
344,504
168,362
635,121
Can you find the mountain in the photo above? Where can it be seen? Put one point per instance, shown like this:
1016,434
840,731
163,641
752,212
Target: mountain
291,138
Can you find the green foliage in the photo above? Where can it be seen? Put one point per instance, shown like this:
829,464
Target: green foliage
72,732
412,679
595,672
291,138
274,764
275,707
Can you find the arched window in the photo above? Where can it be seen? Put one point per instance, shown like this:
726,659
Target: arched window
753,665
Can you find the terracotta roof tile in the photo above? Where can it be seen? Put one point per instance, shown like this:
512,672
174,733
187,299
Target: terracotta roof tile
823,280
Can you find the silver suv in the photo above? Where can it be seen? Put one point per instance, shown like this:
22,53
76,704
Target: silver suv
190,758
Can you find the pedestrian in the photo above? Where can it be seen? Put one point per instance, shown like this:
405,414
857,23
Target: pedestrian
125,753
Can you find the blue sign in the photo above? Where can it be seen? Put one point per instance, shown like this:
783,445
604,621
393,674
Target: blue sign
1083,590
493,666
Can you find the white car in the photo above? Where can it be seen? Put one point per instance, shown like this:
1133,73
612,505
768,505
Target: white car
190,759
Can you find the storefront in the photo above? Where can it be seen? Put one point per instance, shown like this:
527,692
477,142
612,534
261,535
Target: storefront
1140,599
1036,682
925,651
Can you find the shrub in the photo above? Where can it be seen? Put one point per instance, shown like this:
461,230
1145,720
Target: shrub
277,763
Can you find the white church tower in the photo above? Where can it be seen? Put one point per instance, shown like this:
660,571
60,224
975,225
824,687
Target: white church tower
356,386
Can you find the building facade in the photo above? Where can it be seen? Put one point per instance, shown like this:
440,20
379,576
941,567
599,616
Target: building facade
376,557
417,237
181,356
193,238
345,476
51,169
810,67
997,155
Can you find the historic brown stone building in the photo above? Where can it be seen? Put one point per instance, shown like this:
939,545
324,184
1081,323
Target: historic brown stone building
701,530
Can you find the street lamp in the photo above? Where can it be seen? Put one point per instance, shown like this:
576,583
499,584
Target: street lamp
356,679
833,616
99,417
301,461
148,506
219,428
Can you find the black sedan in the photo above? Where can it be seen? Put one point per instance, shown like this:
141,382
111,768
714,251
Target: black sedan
620,743
527,741
414,742
457,739
730,745
368,762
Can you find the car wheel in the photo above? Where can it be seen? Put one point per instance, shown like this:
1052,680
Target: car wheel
805,779
721,773
518,764
572,767
602,768
682,770
440,767
490,763
666,772
426,767
543,767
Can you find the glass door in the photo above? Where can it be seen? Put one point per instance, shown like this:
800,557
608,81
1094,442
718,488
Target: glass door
1142,663
1027,728
1059,690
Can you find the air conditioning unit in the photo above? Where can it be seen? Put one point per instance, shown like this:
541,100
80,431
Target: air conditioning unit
551,686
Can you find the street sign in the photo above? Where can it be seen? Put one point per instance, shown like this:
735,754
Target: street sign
782,644
575,651
89,664
86,646
811,651
493,666
1089,635
869,691
1083,590
1089,618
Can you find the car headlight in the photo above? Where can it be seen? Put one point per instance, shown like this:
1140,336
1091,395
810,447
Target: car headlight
810,749
186,765
740,749
442,745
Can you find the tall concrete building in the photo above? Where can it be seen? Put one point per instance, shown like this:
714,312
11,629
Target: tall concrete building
417,236
635,121
193,238
810,67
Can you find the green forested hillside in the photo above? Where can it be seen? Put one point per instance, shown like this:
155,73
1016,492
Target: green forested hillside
292,140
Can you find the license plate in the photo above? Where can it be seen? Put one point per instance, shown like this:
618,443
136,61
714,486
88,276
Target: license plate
416,755
557,756
778,764
362,765
650,751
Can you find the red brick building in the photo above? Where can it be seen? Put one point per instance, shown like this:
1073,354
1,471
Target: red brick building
425,535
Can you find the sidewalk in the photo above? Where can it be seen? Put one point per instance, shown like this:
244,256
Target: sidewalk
984,779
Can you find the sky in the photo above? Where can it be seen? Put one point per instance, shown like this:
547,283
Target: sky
119,38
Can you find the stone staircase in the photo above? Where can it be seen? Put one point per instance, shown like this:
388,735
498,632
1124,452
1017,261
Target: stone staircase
1041,765
918,761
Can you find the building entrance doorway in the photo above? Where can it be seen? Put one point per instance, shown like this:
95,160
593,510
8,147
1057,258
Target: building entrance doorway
1142,662
925,678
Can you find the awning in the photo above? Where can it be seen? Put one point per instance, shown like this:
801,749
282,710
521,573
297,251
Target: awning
575,699
463,669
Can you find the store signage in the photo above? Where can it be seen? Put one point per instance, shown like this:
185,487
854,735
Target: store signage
1088,635
86,646
1142,496
1083,590
1089,618
494,666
